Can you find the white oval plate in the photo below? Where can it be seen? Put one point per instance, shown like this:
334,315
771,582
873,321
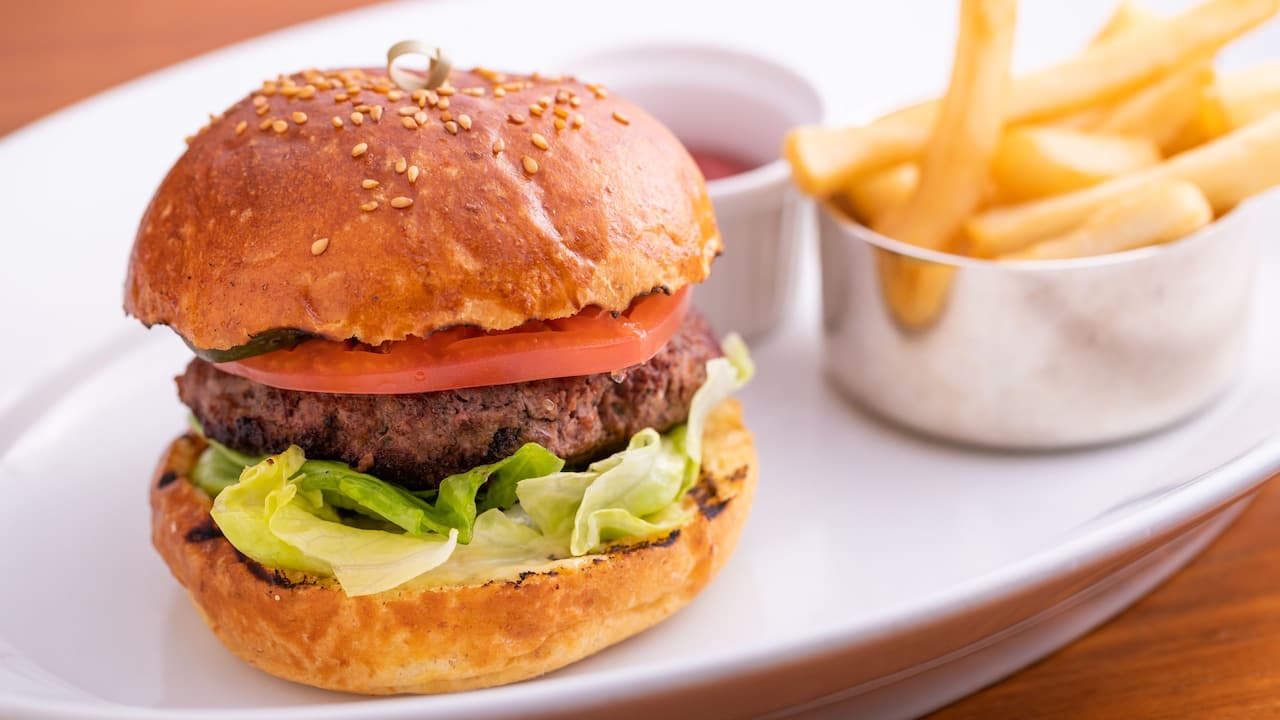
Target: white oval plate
877,568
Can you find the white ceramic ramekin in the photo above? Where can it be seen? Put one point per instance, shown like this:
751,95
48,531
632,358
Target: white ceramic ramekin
742,105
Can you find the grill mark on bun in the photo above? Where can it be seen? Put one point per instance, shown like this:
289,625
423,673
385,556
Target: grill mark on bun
706,494
664,541
203,533
273,578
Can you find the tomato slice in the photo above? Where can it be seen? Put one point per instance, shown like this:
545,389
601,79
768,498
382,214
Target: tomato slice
593,341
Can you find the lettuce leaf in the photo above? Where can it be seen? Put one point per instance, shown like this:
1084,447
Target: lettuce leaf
637,492
363,561
455,503
219,467
243,512
283,510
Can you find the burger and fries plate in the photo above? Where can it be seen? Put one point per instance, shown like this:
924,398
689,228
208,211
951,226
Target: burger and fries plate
880,572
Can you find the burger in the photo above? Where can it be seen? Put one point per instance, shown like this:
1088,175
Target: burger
453,422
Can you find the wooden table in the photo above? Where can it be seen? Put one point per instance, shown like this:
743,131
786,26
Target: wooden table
1206,644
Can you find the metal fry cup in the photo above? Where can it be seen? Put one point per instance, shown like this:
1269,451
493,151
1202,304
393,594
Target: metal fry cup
1038,354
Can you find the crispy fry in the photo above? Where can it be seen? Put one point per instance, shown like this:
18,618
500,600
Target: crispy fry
1242,97
1161,110
1035,162
873,198
1164,211
956,164
959,154
824,161
1128,16
1126,62
1228,170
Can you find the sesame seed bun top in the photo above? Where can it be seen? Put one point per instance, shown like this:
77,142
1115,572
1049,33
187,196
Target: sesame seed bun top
338,204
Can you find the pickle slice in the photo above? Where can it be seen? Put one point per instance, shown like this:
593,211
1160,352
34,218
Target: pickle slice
264,342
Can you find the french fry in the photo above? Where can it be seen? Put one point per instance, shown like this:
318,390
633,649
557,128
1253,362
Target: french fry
969,125
878,195
1161,110
824,161
1035,162
953,174
1228,170
1240,98
1164,211
1128,17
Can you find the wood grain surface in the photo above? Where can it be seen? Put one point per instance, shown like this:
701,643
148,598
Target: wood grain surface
1206,644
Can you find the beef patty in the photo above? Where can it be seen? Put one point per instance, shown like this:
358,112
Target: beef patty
417,440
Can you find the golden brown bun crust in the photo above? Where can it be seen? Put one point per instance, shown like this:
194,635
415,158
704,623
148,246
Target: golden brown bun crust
454,638
224,250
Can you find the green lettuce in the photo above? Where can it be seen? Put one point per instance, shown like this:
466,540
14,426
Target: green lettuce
324,518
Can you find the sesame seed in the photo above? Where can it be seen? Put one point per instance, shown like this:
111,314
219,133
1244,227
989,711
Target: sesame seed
412,174
473,91
401,202
290,91
535,110
319,246
261,110
265,124
446,116
409,123
545,101
395,95
420,117
530,165
307,92
357,118
575,101
407,111
240,127
465,121
598,91
300,118
562,97
363,108
401,164
445,90
443,104
369,206
340,97
499,146
376,112
337,121
268,87
499,92
259,101
369,183
515,119
279,126
452,127
561,113
560,124
621,118
359,150
539,141
578,120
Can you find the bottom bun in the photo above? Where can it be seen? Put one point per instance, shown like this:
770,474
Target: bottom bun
444,639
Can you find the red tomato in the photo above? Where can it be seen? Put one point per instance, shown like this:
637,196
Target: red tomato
593,341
